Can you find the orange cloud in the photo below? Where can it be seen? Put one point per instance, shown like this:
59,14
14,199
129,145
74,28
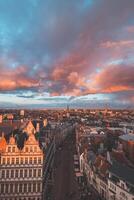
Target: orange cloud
115,78
16,79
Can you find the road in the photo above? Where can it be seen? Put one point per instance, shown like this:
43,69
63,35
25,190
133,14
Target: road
65,185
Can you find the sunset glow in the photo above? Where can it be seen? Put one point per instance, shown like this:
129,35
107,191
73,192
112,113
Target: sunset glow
54,49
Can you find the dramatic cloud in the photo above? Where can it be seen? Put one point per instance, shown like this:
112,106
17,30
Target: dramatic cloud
116,78
67,48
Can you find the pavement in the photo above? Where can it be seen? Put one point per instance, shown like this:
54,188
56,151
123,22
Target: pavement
65,184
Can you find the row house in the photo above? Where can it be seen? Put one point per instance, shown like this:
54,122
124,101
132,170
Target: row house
120,182
21,170
24,171
111,179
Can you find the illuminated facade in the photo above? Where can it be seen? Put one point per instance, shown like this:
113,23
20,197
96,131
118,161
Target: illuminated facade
21,170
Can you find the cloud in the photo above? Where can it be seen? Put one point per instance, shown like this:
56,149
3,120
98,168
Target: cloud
116,78
16,79
70,48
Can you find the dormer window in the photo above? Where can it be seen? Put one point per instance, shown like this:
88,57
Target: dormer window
123,185
13,149
35,149
31,149
9,149
26,149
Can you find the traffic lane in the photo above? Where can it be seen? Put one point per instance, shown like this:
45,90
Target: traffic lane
62,174
59,178
68,188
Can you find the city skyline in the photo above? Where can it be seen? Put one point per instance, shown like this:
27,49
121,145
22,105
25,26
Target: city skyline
54,53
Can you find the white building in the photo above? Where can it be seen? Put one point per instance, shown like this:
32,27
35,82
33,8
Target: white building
121,182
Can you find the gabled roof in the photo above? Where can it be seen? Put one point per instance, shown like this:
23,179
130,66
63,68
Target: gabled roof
101,165
35,122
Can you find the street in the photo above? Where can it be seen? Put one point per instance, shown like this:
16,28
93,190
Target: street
65,184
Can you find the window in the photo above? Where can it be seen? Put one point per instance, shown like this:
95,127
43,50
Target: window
35,160
39,172
26,149
16,173
29,187
30,172
21,173
3,174
34,187
12,173
13,161
30,160
11,188
2,188
38,187
123,195
13,150
25,187
31,149
26,161
34,172
16,188
21,161
7,174
20,187
17,161
8,161
35,149
25,173
3,161
9,149
122,185
6,188
39,160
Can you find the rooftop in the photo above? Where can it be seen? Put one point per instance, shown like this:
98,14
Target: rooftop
123,172
127,137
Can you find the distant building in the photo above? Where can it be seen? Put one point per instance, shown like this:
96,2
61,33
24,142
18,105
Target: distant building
32,126
22,112
9,116
127,141
1,118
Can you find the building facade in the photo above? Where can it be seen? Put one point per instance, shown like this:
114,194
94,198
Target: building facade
21,170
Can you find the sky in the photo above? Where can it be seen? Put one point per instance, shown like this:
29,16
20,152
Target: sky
59,52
